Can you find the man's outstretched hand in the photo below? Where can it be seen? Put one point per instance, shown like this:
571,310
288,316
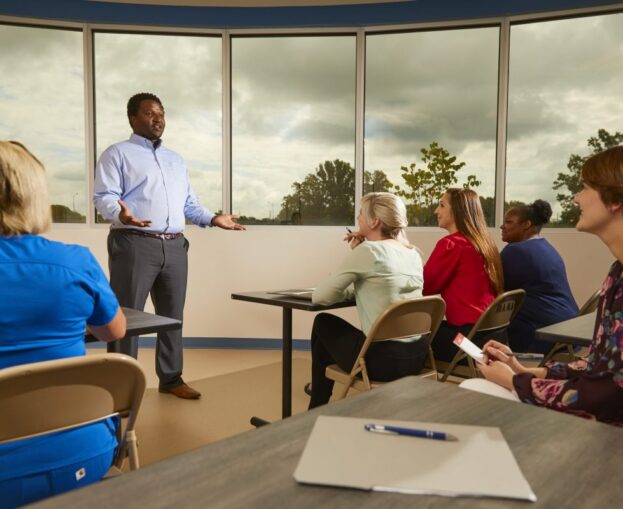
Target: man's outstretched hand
226,221
127,218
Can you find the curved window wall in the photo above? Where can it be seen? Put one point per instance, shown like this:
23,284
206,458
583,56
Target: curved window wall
302,126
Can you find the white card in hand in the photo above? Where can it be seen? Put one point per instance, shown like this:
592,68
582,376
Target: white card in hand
469,348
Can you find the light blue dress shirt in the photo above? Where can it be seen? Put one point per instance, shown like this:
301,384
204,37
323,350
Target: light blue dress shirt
152,182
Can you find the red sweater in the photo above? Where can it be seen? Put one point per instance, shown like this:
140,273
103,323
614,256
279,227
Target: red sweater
457,272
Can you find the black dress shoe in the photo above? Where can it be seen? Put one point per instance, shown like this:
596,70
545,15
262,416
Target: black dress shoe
307,388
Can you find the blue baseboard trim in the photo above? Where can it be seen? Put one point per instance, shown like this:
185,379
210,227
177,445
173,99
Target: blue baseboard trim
298,345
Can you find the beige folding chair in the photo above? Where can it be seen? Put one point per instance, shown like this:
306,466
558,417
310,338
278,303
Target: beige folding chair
403,319
49,396
495,318
565,349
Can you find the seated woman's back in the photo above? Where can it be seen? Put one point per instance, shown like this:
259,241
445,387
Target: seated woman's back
382,272
49,290
531,263
464,268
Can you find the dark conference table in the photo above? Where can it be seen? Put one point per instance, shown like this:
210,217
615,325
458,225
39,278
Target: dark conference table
569,462
287,304
140,322
576,331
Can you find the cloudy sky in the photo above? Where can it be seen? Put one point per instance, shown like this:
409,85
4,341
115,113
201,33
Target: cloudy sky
293,102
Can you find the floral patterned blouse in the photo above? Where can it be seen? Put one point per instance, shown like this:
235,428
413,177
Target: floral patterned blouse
590,387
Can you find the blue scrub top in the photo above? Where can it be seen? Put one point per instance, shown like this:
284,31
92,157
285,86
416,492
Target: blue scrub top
49,292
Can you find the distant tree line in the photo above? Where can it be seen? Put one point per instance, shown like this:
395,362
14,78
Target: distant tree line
327,195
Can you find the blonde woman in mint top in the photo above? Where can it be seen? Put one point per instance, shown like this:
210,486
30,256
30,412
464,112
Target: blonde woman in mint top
381,269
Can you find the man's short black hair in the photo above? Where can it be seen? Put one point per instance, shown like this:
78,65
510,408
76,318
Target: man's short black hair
135,102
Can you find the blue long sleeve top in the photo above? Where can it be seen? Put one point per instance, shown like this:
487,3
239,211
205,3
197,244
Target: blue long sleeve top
536,267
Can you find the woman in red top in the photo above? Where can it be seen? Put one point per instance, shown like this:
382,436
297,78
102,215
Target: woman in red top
465,268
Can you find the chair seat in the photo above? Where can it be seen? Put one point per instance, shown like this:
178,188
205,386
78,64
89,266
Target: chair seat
337,374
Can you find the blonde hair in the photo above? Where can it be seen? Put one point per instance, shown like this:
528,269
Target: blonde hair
470,221
24,203
390,211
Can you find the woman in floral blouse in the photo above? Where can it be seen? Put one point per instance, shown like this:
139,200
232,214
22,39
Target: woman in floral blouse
591,387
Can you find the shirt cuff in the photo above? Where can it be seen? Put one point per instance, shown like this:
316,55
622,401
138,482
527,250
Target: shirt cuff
207,220
522,383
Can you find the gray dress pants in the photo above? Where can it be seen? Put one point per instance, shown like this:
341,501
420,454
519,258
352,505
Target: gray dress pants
140,266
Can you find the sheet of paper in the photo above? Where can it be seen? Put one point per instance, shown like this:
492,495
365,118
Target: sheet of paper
469,348
340,452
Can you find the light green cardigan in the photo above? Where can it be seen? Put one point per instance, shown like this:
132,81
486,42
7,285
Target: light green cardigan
378,273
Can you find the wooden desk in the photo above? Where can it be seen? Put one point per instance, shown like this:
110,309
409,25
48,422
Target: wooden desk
576,331
140,322
570,462
287,304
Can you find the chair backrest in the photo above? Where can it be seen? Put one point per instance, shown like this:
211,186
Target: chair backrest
57,395
500,312
407,318
590,305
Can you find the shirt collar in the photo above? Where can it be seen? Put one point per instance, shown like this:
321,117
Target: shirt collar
139,140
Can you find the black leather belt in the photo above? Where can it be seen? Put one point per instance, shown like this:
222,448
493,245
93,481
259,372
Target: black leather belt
161,236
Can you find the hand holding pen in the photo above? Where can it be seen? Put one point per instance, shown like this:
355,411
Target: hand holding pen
353,238
496,351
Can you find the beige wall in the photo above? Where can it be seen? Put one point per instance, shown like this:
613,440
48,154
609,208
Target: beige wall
222,262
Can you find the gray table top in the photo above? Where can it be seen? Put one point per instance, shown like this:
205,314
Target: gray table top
284,301
576,331
570,462
140,322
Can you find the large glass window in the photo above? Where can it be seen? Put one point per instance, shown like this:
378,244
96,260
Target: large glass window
430,122
293,129
42,105
185,73
565,103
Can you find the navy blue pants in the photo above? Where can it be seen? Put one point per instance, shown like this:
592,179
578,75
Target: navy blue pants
29,489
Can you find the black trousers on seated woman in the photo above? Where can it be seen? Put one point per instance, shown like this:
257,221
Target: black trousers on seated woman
335,341
443,347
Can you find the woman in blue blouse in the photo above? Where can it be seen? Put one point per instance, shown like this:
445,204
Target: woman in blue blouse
532,263
49,293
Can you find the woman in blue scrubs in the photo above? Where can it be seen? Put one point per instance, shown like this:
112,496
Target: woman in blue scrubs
49,293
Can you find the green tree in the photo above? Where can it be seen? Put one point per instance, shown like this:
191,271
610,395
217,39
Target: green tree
570,181
375,181
324,197
327,196
63,214
424,186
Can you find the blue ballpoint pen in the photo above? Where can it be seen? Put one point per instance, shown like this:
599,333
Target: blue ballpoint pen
412,432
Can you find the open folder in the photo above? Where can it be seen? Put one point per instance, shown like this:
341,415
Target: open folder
340,452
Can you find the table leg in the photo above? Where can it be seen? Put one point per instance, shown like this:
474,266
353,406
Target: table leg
286,380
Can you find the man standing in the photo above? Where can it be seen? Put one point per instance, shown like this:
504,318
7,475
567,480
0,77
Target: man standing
144,190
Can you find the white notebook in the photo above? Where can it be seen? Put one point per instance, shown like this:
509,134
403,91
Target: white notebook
297,293
340,452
